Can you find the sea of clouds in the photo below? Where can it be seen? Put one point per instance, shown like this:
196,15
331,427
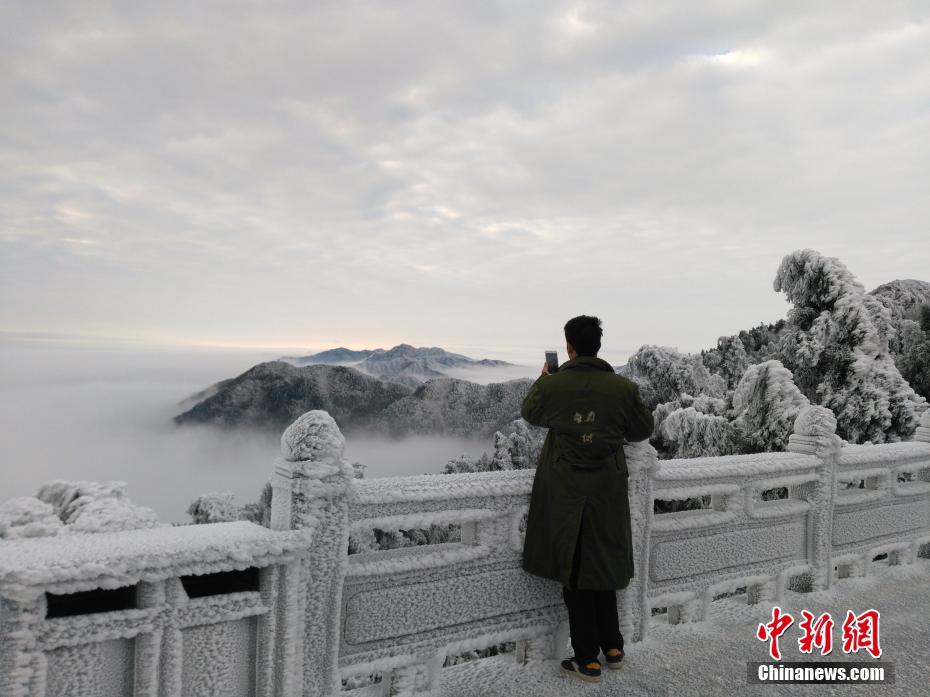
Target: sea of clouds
72,411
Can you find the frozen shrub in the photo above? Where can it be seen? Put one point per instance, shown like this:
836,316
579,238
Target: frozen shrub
766,403
214,507
672,373
95,506
693,434
28,517
111,514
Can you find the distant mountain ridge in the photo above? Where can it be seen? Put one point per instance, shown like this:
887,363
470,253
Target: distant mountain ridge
406,364
271,395
395,391
456,407
330,356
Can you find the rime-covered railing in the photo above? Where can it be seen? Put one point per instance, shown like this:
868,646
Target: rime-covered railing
845,507
888,512
315,615
741,539
392,619
192,610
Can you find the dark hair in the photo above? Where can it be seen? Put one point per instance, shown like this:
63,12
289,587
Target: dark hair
584,334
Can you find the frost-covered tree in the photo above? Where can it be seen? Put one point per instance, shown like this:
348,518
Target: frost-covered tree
502,459
520,448
836,345
659,415
672,373
693,434
214,507
914,360
906,300
646,390
468,463
461,463
703,404
221,507
733,359
766,403
526,444
260,511
903,298
364,541
761,342
706,405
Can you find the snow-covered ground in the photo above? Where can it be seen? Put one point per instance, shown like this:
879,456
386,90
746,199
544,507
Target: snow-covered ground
708,659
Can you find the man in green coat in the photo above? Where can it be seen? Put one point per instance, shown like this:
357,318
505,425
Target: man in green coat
578,529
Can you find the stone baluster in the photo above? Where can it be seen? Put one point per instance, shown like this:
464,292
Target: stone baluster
815,434
635,611
22,664
923,436
310,486
148,645
923,431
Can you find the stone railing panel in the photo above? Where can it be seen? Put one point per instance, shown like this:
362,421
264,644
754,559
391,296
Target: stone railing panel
392,620
876,514
140,631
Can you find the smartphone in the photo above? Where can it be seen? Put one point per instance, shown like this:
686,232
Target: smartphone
552,361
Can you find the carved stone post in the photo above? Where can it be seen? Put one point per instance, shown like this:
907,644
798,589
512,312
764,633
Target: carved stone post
22,664
815,434
310,485
923,431
922,435
148,645
635,611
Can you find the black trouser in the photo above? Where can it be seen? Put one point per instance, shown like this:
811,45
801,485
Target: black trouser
592,616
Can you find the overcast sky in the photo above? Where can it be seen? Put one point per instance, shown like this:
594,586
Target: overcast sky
471,174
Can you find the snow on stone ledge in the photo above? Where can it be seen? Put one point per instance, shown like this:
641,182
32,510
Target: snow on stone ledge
74,562
430,487
730,465
886,453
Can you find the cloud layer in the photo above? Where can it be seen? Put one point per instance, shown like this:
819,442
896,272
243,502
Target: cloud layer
451,174
101,414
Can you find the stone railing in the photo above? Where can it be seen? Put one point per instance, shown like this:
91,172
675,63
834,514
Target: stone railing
192,610
314,614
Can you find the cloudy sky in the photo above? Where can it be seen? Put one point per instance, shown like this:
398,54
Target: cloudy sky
467,174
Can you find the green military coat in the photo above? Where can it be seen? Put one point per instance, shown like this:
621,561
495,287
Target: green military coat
581,477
